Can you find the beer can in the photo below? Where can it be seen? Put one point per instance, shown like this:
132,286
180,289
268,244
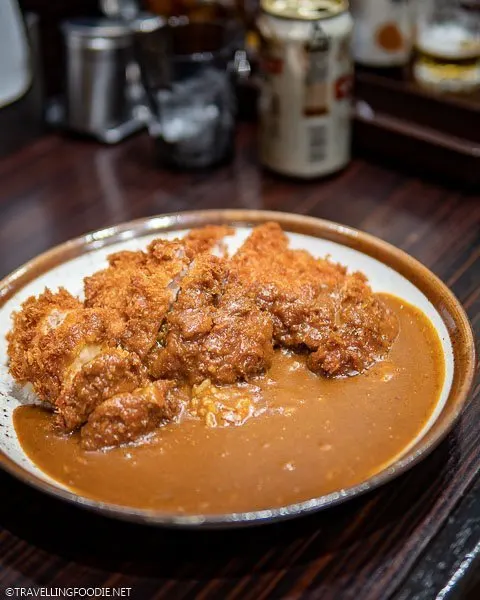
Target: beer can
305,92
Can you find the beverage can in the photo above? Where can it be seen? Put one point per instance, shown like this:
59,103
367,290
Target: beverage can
305,94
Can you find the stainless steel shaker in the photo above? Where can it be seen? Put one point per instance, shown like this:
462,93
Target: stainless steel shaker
99,67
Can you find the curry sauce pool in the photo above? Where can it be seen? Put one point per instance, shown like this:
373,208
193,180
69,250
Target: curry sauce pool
311,436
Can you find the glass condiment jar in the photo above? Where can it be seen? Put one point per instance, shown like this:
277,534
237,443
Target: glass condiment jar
447,44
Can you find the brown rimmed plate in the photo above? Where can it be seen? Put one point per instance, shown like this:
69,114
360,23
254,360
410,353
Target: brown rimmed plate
389,270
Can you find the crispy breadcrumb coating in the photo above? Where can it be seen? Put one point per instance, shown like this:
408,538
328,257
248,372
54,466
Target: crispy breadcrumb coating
124,418
109,373
141,286
36,314
363,331
136,286
314,304
207,239
290,285
56,355
213,331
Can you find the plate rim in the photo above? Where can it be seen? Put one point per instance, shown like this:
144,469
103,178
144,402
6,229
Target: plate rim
347,236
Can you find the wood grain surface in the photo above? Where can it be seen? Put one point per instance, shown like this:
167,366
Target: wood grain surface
370,548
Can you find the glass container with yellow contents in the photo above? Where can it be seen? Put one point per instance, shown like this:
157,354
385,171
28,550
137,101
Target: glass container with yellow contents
448,45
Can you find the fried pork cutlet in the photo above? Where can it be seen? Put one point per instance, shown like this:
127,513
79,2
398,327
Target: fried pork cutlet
213,330
363,332
110,372
68,353
37,315
135,286
207,239
124,418
53,336
183,311
314,304
57,355
141,286
290,285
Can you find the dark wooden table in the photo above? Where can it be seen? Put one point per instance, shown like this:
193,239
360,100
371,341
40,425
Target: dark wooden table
406,540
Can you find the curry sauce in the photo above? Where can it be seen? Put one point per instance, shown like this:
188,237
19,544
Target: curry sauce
307,436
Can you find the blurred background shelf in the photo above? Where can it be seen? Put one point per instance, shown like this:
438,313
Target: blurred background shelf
434,134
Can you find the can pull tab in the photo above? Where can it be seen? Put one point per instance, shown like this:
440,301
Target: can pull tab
240,66
319,41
